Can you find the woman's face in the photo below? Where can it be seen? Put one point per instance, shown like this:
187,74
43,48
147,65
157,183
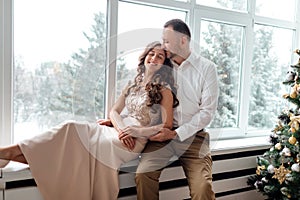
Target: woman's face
155,59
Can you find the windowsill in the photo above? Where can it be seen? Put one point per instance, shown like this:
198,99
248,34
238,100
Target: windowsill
226,146
18,171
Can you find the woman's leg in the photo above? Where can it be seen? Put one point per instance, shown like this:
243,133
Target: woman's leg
13,153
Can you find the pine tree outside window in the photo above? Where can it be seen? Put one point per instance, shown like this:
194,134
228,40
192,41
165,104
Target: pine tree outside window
59,71
268,68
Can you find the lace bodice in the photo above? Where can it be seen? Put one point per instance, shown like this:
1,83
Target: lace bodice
136,105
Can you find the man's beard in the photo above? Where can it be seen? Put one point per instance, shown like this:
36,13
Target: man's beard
172,55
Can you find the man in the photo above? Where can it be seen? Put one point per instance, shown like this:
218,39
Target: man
197,92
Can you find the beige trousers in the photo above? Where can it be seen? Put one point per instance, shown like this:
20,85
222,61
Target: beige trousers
195,158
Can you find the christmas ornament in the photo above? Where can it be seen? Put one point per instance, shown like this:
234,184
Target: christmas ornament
290,75
286,151
292,140
271,169
295,91
280,173
259,168
295,167
289,177
278,146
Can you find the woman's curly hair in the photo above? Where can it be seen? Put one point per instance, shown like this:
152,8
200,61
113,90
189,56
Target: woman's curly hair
161,78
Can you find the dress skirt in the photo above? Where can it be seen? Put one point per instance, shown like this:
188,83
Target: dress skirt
78,161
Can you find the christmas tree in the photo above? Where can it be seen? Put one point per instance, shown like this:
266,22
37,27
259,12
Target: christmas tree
278,170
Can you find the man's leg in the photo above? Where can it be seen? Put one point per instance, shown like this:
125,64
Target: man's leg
197,165
154,158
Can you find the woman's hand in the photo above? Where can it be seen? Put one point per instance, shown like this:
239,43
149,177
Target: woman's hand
127,140
105,122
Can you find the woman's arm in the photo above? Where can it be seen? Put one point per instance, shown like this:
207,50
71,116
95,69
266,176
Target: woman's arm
167,119
118,123
114,113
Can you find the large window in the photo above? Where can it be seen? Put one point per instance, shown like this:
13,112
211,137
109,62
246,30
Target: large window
59,62
71,58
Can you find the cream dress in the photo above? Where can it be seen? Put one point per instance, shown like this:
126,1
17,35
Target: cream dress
80,160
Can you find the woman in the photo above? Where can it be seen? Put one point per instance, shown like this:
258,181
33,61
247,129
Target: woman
80,160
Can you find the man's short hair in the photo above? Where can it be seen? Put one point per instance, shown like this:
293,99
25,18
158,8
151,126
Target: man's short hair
179,26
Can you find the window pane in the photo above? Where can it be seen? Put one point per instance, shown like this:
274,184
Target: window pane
240,5
271,57
134,36
222,43
59,63
281,9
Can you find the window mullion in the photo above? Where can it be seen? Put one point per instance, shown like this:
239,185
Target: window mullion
111,54
246,77
6,72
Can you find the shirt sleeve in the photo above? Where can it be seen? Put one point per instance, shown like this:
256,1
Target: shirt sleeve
207,107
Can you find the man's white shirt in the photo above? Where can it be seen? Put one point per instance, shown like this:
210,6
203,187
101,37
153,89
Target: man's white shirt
197,91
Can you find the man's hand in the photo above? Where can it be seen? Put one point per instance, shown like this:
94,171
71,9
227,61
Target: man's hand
105,122
164,135
134,131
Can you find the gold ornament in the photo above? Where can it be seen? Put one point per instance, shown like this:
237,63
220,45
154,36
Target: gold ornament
292,140
259,168
280,173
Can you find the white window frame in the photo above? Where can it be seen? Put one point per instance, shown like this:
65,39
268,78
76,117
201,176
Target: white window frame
195,13
6,63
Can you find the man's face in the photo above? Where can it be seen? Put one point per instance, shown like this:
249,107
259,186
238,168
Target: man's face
171,41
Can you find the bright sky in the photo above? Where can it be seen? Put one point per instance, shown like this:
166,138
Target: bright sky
51,30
